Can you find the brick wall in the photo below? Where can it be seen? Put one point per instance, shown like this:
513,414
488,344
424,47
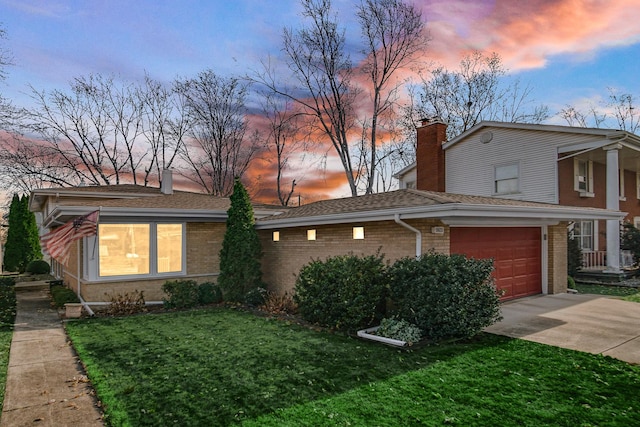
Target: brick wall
430,156
204,241
557,258
282,260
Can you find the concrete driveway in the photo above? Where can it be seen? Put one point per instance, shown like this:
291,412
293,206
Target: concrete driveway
589,323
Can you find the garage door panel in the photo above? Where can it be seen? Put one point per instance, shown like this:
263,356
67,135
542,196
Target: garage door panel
516,252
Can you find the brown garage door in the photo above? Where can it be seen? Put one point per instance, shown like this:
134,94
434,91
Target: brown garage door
516,252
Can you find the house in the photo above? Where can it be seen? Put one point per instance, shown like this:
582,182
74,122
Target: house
527,240
145,237
148,235
561,165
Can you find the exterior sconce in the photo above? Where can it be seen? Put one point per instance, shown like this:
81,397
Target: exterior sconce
311,234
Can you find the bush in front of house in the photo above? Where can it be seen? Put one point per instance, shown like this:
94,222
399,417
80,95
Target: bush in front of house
62,295
574,255
38,266
241,250
209,293
255,297
180,293
445,296
631,241
399,329
344,292
7,281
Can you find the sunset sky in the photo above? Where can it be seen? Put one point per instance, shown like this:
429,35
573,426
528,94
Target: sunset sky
569,51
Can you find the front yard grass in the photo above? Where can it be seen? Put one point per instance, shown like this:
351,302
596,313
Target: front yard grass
611,290
7,317
222,367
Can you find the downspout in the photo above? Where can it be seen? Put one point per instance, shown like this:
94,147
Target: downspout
415,230
82,301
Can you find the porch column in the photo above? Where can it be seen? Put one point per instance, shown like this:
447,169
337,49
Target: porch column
613,203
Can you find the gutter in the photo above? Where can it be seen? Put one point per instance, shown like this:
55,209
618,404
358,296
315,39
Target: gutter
415,230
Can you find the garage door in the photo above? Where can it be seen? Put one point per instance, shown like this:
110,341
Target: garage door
516,252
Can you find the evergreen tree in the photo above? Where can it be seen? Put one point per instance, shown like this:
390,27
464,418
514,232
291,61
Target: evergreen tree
23,243
241,250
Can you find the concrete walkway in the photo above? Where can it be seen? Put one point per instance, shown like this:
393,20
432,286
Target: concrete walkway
589,323
46,385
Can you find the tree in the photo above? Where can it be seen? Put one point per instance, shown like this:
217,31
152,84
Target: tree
240,270
393,35
283,139
326,85
618,111
23,244
322,70
218,150
100,131
475,92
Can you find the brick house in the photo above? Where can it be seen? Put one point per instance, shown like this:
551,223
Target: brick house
149,235
561,165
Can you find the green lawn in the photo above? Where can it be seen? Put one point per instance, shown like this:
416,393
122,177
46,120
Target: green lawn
616,291
222,367
7,316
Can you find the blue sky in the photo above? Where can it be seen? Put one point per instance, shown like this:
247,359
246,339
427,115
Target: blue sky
53,41
569,51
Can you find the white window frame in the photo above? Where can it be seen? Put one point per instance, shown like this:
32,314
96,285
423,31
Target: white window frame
516,177
638,185
593,235
587,180
621,185
92,255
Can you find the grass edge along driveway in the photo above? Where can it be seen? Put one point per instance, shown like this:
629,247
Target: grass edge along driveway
224,367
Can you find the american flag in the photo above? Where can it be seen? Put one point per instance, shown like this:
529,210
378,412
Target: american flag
58,242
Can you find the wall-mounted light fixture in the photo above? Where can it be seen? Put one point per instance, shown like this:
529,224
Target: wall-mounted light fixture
358,233
311,234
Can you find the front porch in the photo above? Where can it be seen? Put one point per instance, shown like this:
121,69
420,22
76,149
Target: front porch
594,268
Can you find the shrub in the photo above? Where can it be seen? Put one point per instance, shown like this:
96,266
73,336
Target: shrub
38,266
209,293
279,304
344,292
445,296
180,293
255,297
62,295
571,283
7,281
631,241
399,329
127,304
574,255
240,254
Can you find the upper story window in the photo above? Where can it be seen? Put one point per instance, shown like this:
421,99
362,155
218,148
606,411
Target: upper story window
621,184
583,177
143,249
507,179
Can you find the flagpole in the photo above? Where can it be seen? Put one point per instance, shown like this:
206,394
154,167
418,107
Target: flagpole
95,242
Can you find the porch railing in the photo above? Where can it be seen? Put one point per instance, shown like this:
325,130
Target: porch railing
593,260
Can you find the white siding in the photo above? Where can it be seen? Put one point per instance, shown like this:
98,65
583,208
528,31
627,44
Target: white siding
470,163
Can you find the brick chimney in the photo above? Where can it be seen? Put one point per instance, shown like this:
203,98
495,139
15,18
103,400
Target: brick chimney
166,185
430,155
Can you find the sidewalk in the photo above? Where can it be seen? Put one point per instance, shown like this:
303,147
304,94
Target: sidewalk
46,385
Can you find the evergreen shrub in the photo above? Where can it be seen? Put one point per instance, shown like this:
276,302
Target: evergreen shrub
7,281
445,296
62,295
180,293
209,293
344,292
38,266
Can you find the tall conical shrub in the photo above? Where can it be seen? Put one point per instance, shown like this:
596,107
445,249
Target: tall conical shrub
23,243
241,250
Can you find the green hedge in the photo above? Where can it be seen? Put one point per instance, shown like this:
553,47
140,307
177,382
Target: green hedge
38,266
343,292
445,296
187,293
62,295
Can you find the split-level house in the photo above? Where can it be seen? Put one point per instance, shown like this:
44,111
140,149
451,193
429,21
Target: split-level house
561,165
147,236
